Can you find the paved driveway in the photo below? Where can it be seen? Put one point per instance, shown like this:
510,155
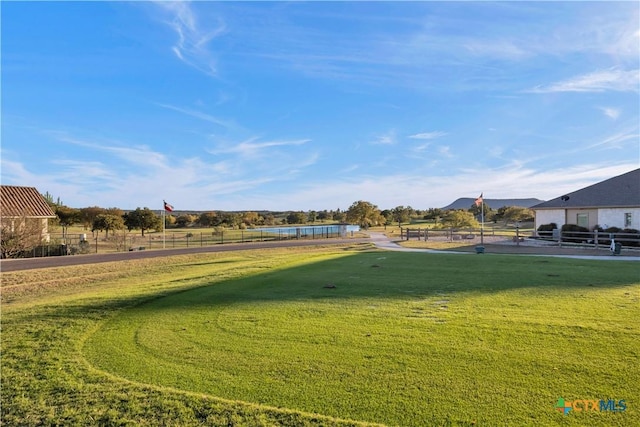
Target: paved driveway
7,265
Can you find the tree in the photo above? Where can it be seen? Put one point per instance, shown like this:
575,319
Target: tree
401,214
251,218
169,220
325,215
434,214
388,216
208,219
364,214
296,218
482,208
106,222
312,216
142,219
67,216
88,215
19,235
515,213
269,219
338,215
459,219
185,220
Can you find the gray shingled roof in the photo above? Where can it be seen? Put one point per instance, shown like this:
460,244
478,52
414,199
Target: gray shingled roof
617,192
16,202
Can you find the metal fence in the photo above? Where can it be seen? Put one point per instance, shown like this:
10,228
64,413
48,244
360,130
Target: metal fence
122,241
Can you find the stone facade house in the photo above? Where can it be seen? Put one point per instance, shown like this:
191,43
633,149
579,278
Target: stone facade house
614,202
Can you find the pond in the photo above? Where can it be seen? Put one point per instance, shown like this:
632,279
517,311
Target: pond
310,230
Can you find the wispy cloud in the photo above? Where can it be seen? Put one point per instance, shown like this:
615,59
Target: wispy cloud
192,45
140,156
445,151
503,182
616,140
612,113
428,135
251,148
200,115
388,138
597,81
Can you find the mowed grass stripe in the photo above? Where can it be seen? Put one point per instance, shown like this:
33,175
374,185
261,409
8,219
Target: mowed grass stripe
397,338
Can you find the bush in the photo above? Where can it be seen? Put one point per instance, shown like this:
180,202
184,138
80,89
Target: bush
632,237
546,230
575,233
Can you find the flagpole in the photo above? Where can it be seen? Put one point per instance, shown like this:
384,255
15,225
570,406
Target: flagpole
482,220
163,226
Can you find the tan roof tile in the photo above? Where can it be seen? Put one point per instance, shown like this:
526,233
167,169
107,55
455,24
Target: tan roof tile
23,201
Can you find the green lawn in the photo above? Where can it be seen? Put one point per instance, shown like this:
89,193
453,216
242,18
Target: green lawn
319,336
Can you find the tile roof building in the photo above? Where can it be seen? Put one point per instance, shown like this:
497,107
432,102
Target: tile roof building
614,202
18,202
23,210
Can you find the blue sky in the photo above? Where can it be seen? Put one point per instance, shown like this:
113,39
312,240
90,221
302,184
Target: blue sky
311,106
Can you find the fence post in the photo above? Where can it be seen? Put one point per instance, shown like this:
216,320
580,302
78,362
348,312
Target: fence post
595,238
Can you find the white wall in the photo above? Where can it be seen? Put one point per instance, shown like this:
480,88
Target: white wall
615,217
548,216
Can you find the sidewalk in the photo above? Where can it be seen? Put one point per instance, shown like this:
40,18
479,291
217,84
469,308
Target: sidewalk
383,242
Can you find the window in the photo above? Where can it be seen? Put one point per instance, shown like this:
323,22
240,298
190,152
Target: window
583,220
627,220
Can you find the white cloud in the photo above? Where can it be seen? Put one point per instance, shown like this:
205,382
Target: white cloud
511,181
250,148
445,151
388,138
597,81
428,135
193,40
421,148
616,140
200,115
612,113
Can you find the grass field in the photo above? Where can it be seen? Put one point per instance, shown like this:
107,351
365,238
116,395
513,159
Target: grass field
321,336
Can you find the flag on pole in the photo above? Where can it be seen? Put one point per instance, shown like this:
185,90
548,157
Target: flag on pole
168,207
478,201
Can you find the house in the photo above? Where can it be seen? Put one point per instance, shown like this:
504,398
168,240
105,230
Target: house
24,208
614,202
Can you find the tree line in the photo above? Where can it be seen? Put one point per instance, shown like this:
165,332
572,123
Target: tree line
363,213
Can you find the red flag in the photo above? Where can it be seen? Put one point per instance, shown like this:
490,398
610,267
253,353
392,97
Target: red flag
168,207
478,201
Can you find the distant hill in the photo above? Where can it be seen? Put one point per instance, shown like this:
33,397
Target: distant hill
467,202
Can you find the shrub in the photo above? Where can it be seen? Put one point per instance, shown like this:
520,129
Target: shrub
575,233
546,230
632,237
